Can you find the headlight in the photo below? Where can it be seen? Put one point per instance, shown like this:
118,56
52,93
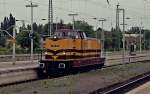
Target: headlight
46,53
64,53
55,37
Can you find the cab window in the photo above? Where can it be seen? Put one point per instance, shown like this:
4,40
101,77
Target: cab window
70,34
73,35
58,34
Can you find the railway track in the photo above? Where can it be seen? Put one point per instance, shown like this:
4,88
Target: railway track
124,87
128,59
19,57
22,57
18,75
22,74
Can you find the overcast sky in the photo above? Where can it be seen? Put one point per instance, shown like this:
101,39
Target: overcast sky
138,10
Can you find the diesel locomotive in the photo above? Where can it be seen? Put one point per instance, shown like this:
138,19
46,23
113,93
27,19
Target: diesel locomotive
70,50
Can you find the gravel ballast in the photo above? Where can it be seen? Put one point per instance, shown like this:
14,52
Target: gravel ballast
80,83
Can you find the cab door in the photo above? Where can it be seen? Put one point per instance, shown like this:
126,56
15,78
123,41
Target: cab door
84,44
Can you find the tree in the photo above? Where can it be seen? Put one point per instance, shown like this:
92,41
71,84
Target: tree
116,39
134,30
2,40
84,26
24,40
45,29
40,29
147,39
12,20
108,40
7,23
35,27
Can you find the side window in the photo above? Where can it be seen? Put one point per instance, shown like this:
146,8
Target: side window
78,35
58,34
73,35
84,35
70,35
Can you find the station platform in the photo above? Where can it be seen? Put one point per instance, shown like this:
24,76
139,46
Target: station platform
111,58
18,65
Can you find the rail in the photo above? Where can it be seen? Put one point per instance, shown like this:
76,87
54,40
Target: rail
16,75
19,57
12,75
125,86
127,59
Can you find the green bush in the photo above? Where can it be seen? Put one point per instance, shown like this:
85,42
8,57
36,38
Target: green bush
4,51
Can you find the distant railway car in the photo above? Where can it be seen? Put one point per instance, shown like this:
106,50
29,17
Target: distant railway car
69,50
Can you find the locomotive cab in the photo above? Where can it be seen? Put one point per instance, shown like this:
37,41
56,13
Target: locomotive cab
71,34
67,50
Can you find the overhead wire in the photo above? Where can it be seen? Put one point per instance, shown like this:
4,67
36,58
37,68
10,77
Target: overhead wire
136,12
130,9
66,10
92,2
88,15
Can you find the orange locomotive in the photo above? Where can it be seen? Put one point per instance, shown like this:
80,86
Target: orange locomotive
70,50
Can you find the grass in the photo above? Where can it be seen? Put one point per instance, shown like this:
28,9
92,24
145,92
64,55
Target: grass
114,74
79,83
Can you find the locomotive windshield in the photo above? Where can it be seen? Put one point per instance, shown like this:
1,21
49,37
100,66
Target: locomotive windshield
66,34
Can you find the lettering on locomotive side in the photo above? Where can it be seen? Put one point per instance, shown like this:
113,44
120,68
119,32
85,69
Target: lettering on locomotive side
54,45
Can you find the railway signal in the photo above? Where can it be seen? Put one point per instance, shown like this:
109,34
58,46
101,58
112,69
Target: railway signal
123,33
31,32
102,38
31,35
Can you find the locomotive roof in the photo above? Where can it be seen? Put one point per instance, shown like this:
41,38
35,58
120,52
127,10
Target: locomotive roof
68,30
